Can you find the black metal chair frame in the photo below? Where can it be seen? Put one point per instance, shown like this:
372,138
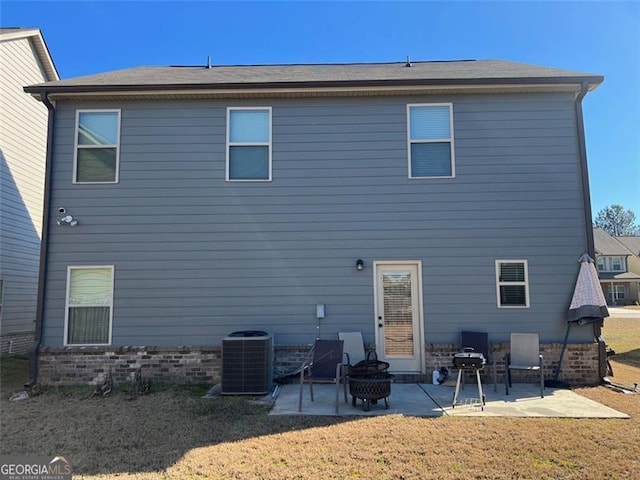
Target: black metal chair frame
324,365
479,342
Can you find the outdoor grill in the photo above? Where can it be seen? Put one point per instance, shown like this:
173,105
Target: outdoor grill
469,360
369,381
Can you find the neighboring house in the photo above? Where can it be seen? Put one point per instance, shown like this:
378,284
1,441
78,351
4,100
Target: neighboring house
24,60
633,265
618,260
405,201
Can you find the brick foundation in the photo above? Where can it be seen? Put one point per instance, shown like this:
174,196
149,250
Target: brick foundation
18,343
73,365
68,366
289,358
65,366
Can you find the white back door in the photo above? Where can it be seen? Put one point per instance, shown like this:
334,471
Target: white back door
398,312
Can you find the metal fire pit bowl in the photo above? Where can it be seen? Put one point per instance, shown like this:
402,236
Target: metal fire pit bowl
370,388
368,367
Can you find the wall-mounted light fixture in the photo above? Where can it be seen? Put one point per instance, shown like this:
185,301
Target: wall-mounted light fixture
67,219
359,264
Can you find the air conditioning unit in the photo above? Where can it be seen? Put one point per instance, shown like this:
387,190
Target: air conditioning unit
247,363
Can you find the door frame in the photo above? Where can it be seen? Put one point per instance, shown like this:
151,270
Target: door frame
420,311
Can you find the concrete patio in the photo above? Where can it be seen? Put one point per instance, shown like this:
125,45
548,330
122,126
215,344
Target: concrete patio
425,400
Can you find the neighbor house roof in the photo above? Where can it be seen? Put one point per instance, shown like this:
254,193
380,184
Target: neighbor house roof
458,74
631,243
608,245
618,276
40,47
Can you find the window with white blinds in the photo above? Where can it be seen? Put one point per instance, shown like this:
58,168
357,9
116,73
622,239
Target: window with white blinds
89,305
249,144
512,283
398,314
430,134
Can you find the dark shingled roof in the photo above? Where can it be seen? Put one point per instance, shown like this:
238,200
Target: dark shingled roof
466,72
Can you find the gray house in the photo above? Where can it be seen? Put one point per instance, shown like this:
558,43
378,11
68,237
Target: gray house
24,59
405,201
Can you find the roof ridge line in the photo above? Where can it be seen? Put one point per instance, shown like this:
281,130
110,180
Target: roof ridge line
338,64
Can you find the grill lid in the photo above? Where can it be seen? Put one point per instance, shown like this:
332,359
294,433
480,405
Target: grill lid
469,360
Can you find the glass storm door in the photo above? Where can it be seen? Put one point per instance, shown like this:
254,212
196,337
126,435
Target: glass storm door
399,315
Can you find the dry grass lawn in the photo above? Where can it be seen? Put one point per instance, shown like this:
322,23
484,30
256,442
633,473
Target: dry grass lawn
623,335
174,433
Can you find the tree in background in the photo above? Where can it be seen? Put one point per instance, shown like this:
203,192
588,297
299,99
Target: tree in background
617,221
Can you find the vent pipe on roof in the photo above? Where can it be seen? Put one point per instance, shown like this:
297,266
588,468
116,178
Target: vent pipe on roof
408,64
208,62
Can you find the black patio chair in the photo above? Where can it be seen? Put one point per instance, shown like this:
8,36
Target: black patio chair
323,366
479,342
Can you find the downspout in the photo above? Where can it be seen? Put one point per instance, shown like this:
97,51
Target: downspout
584,171
44,243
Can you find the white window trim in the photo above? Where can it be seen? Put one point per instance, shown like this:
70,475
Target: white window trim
418,301
249,144
607,262
525,283
621,264
67,306
77,146
431,140
616,289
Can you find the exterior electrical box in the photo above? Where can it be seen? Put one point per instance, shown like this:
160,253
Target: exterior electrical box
247,363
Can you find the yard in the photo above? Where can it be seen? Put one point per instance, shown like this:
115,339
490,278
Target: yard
174,433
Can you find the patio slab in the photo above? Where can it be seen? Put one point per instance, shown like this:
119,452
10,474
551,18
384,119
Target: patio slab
424,400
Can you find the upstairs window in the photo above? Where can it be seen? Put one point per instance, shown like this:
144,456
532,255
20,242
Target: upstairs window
249,144
97,146
612,264
512,283
89,305
430,132
616,264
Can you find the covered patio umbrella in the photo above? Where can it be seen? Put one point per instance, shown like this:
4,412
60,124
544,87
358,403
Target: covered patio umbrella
588,304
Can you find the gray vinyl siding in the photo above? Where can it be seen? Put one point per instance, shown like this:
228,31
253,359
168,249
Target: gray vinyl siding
23,132
196,257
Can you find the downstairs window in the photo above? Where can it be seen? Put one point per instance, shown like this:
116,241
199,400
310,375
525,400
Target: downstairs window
89,305
512,283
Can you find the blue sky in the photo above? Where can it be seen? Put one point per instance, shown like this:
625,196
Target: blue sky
87,37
